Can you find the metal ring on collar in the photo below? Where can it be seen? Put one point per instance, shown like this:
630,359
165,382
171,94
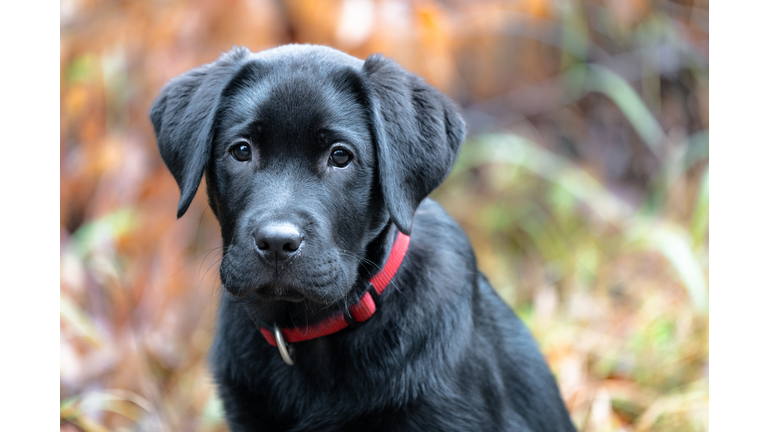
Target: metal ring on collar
281,346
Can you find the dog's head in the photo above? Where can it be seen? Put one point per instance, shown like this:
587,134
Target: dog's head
308,154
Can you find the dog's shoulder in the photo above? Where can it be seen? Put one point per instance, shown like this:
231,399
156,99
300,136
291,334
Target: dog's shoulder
500,361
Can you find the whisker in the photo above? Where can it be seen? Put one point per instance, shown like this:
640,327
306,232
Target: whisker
213,262
217,249
366,260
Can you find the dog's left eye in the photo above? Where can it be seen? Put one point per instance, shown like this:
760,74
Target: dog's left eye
340,157
241,152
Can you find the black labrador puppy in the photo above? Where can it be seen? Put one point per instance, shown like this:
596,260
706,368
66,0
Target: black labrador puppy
352,301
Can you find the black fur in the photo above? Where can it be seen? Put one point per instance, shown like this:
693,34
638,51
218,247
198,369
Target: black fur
443,352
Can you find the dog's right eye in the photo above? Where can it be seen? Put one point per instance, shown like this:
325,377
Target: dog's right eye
241,152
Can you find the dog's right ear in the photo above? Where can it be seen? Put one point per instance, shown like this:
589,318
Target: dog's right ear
183,116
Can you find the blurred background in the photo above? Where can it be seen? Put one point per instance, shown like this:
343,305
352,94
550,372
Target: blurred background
583,186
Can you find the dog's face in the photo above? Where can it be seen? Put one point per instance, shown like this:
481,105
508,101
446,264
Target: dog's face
292,177
308,154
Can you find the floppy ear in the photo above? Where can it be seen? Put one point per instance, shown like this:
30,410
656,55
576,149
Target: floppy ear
183,116
418,132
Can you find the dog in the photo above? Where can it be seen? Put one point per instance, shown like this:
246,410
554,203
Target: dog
352,302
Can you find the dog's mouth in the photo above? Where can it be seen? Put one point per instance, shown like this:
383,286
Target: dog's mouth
322,281
280,292
273,292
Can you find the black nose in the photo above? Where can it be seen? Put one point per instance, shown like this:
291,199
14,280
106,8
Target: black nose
277,241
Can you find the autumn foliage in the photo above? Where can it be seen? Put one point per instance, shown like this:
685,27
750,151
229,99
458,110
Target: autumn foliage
583,187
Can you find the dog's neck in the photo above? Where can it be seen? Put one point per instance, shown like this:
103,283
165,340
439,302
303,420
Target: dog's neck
377,252
299,314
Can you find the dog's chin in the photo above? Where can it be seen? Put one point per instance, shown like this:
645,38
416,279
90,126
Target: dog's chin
281,292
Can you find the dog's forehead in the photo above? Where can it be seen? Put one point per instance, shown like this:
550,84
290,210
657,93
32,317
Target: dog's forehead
314,55
296,90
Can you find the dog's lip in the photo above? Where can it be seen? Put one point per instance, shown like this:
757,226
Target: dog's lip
269,293
272,292
282,293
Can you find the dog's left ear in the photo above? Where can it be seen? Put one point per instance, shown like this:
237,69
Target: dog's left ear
183,116
418,132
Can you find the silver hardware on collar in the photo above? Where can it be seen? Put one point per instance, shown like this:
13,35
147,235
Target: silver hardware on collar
282,347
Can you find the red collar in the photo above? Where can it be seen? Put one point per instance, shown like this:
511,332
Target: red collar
360,311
